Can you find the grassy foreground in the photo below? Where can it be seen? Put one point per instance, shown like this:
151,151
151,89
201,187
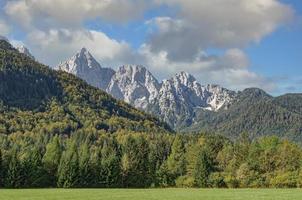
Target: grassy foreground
151,194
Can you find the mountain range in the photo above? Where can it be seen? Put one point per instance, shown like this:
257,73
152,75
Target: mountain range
188,106
180,101
173,100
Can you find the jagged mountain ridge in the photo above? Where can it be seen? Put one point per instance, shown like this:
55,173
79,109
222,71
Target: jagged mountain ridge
173,100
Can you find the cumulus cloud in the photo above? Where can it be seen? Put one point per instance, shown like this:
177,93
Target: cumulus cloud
230,70
55,30
72,13
57,45
215,24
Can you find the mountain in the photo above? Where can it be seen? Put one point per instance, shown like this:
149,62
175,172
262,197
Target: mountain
86,67
35,98
25,51
255,112
173,100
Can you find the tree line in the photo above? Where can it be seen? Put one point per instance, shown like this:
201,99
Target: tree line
140,160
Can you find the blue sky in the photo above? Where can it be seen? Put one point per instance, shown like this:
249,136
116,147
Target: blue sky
235,43
280,53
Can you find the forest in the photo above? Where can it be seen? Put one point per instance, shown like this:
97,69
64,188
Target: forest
141,160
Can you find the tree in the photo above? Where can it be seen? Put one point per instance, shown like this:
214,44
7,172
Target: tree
110,166
1,169
51,159
203,168
84,166
135,163
176,160
13,177
33,171
68,171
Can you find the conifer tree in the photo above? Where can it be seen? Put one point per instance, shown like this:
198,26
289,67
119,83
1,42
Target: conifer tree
13,177
68,171
176,160
84,166
202,169
1,169
51,159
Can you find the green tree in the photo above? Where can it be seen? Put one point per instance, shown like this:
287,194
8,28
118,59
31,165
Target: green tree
68,171
176,160
84,166
1,170
51,159
13,177
110,166
203,168
33,171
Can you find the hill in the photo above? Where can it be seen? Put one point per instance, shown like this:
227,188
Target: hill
35,98
257,113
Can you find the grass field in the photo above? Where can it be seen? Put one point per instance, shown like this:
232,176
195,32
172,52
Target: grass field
151,194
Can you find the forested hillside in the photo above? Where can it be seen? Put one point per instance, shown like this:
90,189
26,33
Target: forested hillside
36,99
257,113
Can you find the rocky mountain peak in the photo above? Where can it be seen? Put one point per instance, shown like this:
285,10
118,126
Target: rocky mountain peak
85,66
184,78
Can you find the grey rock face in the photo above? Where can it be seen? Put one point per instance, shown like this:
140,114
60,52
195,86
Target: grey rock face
135,85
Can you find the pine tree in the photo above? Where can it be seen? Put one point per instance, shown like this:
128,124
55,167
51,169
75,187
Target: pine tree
176,160
34,174
13,177
84,166
202,169
1,170
68,171
110,166
51,159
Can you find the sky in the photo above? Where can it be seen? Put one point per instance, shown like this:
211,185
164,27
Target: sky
234,43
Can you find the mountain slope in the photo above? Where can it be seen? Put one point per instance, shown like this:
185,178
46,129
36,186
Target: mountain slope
255,112
34,98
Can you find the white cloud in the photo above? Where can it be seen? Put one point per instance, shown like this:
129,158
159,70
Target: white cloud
230,70
54,31
57,45
201,24
72,13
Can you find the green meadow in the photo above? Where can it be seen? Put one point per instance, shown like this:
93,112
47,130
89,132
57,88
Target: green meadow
151,194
